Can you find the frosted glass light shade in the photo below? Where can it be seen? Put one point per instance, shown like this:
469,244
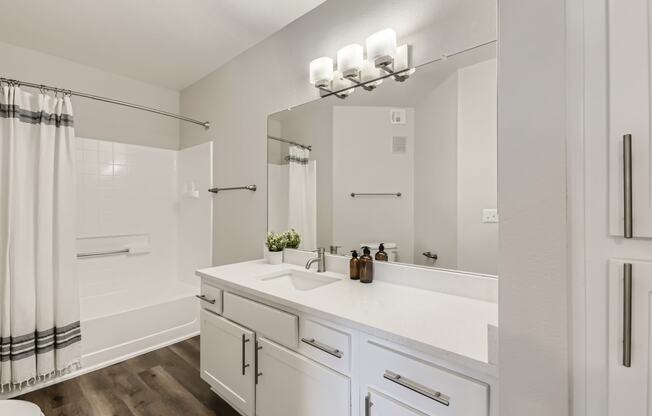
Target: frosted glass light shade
321,72
370,72
401,59
350,59
381,47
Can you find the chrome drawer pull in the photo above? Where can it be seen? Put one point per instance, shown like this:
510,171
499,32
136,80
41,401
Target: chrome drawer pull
244,364
627,315
332,351
627,186
205,299
417,388
367,405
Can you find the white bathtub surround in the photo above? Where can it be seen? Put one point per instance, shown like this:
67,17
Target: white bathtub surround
302,213
39,328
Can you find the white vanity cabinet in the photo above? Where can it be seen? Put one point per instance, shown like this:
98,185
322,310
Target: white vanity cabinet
630,114
292,385
629,382
227,353
269,360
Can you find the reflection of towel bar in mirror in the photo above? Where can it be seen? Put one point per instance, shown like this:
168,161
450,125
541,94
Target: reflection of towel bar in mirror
430,255
248,188
103,253
396,194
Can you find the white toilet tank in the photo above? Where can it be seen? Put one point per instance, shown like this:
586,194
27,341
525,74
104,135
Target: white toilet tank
390,249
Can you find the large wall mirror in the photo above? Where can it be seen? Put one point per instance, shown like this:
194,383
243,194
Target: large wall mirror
411,164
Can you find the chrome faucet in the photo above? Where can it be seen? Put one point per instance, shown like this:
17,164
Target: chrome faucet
321,258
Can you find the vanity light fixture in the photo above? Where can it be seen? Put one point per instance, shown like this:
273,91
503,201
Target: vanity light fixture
384,59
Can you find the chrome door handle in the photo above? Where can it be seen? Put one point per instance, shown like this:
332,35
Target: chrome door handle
244,365
257,373
205,299
417,388
627,315
323,347
367,405
628,204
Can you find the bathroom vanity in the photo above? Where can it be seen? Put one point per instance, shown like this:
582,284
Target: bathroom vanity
278,340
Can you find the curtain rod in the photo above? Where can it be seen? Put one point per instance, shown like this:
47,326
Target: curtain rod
206,124
289,142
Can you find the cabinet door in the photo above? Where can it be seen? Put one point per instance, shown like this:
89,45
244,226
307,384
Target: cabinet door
292,385
378,404
629,387
227,356
629,113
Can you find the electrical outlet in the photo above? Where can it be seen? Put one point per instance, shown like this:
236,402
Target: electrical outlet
489,215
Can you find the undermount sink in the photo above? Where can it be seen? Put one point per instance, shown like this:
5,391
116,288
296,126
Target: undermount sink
299,280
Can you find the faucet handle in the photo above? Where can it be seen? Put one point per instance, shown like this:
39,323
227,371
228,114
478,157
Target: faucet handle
320,250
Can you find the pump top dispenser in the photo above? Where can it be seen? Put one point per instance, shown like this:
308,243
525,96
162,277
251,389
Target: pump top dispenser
366,266
381,255
354,266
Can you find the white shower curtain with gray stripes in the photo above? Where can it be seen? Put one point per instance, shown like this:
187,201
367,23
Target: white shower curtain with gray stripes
39,295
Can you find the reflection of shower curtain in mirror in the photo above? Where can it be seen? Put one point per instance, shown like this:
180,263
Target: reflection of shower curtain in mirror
302,215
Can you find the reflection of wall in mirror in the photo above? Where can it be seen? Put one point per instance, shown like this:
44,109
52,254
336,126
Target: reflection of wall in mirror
364,161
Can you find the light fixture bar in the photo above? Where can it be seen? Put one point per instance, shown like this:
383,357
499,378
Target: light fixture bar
338,93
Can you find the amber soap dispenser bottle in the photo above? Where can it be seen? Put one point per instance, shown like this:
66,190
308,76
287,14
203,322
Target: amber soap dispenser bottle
366,266
354,266
381,255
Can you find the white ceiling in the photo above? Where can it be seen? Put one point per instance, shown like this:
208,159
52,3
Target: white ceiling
171,43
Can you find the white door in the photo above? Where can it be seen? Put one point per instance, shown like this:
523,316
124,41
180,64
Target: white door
629,386
292,385
378,404
629,113
227,360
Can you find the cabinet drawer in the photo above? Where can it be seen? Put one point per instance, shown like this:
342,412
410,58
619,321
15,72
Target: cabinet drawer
325,345
275,324
421,384
210,298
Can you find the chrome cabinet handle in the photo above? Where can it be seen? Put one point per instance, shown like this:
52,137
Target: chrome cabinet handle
323,347
244,365
627,315
367,405
205,299
256,372
627,178
417,388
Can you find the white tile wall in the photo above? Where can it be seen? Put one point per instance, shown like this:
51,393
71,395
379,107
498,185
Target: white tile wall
127,194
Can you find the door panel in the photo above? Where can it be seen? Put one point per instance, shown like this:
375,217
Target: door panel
292,385
227,356
629,387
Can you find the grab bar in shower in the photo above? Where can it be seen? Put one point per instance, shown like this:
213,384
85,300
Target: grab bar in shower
233,188
102,253
396,194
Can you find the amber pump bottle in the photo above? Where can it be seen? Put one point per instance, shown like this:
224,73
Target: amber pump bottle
381,255
354,266
366,266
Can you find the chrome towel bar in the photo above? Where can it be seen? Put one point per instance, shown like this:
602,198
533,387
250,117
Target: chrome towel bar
247,187
102,253
396,194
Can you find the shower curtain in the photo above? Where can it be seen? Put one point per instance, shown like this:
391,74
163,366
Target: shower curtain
39,296
302,213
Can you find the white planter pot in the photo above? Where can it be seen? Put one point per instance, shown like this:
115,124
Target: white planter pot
274,257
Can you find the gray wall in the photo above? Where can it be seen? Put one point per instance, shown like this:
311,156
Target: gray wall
273,75
95,119
533,283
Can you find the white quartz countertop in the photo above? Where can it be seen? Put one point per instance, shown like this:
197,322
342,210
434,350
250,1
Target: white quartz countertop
452,327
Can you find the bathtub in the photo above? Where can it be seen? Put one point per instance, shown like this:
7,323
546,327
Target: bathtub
123,324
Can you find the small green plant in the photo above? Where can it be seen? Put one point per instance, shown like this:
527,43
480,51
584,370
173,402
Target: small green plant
276,242
292,238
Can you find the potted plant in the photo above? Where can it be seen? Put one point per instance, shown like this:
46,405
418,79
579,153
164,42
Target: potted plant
292,239
275,244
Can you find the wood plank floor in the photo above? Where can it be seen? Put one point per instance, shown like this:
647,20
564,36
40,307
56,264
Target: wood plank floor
160,383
